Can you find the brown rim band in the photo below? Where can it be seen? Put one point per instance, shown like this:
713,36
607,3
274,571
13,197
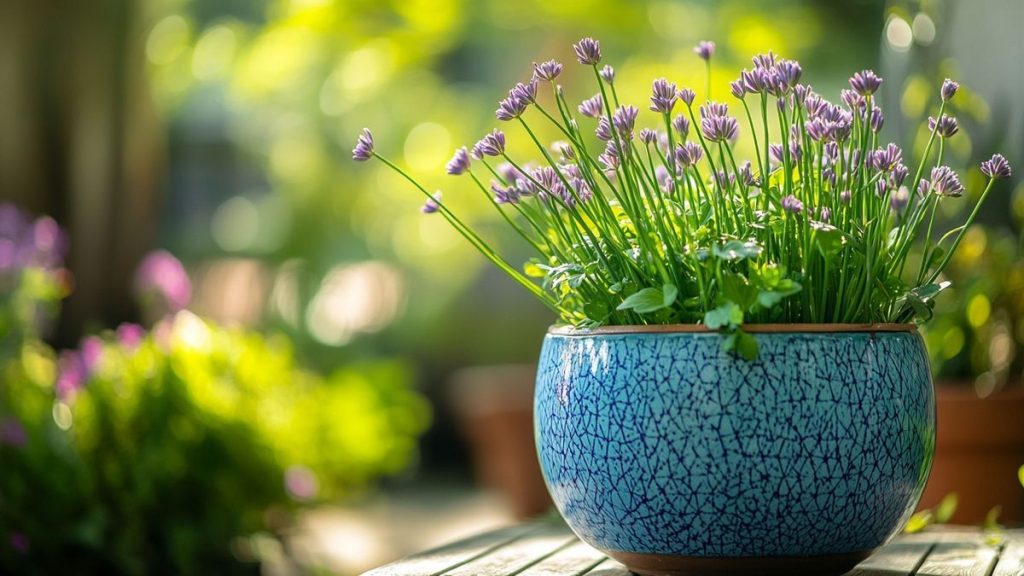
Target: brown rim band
751,328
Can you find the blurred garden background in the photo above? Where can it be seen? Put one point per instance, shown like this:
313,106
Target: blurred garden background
224,347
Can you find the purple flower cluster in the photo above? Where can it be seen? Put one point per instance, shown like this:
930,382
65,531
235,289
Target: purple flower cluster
716,125
704,49
996,167
769,75
25,243
161,282
588,51
945,126
433,204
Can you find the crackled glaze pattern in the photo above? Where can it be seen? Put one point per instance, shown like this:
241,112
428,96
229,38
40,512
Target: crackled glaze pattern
661,443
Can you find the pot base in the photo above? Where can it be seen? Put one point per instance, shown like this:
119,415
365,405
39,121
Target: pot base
672,565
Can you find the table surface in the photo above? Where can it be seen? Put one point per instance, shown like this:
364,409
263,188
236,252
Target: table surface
547,548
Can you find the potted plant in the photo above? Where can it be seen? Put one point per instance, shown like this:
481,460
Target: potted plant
736,386
975,344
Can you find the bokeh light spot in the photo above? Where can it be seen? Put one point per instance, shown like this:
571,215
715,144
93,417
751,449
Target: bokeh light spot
898,34
427,146
167,40
235,224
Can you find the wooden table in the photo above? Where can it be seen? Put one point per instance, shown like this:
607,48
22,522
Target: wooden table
548,548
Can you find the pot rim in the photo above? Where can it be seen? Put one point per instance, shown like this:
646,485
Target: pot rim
824,328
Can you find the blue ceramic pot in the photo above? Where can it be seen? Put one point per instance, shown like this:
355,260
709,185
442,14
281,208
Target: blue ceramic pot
677,458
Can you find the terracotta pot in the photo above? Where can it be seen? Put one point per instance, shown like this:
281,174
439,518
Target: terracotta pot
979,448
495,406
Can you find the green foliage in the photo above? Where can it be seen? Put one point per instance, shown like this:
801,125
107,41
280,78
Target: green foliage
174,448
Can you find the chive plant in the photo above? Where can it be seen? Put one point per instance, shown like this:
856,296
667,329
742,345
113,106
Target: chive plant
665,225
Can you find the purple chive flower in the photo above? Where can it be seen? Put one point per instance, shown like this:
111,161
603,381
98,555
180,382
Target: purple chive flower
604,129
527,91
687,95
792,205
161,282
996,167
588,51
899,199
800,93
592,107
712,109
301,483
789,72
775,153
877,119
648,136
433,204
564,149
493,144
945,182
129,335
946,126
511,107
755,81
852,99
459,162
845,196
886,159
664,179
547,70
663,96
681,124
865,82
505,194
688,154
881,187
607,74
824,214
922,188
764,61
477,151
746,173
738,89
948,89
364,146
899,174
624,119
720,128
705,49
724,179
12,433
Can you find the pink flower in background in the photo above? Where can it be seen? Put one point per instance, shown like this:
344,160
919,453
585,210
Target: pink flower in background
161,282
92,352
301,483
130,335
72,374
12,433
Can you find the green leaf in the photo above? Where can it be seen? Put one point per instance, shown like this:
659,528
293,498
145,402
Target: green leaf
740,343
769,298
945,510
827,237
918,522
596,310
670,293
726,315
650,299
734,250
992,519
533,270
746,345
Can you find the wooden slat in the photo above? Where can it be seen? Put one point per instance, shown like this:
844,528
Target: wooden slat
1011,561
962,557
518,555
897,559
573,560
440,560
